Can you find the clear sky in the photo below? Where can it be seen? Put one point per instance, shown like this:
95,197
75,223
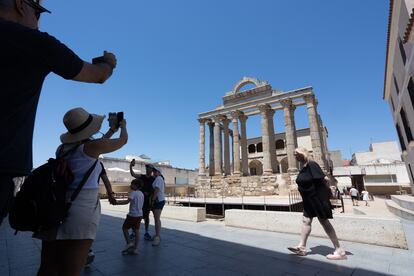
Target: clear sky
178,58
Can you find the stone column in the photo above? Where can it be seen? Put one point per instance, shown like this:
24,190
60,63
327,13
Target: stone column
272,145
232,152
236,146
244,154
314,130
267,161
211,159
226,133
324,134
202,161
218,151
290,130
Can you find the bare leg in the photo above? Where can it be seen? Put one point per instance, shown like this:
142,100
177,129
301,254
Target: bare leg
330,231
126,234
136,237
157,221
306,230
49,264
73,254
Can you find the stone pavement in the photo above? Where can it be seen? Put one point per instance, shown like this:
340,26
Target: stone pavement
210,248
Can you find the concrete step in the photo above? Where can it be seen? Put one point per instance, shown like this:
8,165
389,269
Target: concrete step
405,201
399,211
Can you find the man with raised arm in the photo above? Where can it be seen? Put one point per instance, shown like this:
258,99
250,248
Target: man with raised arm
27,56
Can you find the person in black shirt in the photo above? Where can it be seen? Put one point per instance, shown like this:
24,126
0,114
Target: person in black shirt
316,203
27,56
148,190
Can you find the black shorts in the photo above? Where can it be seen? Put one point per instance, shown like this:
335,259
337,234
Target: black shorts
146,210
354,197
131,222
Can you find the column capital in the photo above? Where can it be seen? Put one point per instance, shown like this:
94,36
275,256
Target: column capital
264,108
210,123
243,118
202,120
309,99
286,103
235,114
218,118
225,121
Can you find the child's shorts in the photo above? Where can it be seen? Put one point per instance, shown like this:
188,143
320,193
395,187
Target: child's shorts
132,222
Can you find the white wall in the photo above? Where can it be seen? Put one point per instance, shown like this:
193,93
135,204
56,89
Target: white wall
384,151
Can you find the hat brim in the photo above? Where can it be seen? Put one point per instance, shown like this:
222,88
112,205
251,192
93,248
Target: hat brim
91,129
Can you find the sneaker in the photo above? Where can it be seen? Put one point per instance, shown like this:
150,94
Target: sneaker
90,258
134,251
156,241
147,237
127,248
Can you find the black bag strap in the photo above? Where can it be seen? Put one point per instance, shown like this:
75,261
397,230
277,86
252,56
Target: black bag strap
82,183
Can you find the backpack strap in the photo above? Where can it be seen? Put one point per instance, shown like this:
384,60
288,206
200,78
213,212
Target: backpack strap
61,154
82,183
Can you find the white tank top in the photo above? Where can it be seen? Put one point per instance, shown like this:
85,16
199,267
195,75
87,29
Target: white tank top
80,163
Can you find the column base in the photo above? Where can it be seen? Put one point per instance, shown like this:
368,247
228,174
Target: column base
267,173
293,170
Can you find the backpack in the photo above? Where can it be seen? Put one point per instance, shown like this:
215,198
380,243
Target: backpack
41,202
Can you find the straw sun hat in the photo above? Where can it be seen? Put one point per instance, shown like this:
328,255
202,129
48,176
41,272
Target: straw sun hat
80,125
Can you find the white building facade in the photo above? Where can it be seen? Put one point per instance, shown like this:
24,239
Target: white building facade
399,81
379,170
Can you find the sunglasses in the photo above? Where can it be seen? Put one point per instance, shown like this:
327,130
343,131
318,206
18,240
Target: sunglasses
35,4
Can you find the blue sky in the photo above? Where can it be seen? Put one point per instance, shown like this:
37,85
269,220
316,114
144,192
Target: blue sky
178,58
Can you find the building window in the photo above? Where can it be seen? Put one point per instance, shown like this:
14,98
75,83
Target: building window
406,126
411,90
402,51
259,147
280,144
380,178
400,138
396,85
252,148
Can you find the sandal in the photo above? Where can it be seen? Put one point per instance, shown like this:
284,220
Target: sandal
337,256
298,250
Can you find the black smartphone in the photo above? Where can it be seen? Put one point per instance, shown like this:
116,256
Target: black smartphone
98,60
120,117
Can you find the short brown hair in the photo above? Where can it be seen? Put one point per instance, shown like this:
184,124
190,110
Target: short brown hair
137,182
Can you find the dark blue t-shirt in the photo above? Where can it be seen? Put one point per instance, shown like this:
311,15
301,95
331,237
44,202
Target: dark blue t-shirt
27,56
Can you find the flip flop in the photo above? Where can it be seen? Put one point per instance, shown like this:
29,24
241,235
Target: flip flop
298,251
336,256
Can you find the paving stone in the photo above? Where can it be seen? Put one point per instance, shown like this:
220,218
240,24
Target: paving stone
209,248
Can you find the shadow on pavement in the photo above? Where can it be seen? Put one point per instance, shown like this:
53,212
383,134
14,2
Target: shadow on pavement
180,253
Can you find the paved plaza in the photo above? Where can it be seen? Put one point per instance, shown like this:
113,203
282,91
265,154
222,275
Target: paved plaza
210,248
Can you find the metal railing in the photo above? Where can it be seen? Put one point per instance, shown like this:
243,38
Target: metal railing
295,202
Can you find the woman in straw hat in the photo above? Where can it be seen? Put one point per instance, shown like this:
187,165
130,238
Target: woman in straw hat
65,248
315,195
